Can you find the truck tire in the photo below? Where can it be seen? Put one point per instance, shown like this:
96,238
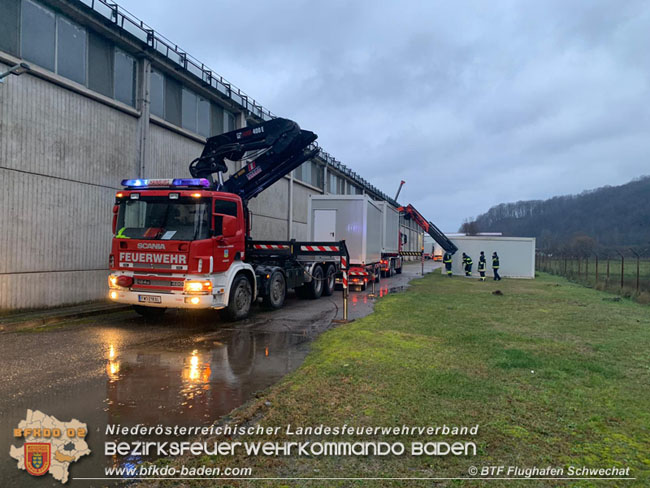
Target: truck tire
377,274
149,313
316,285
329,282
277,291
398,270
240,300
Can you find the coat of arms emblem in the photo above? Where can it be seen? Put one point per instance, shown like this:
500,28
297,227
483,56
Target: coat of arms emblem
37,458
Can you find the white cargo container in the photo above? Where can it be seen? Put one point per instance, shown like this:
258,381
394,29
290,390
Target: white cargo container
357,219
389,228
516,255
391,261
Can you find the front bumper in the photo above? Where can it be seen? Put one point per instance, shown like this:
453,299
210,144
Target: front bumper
167,300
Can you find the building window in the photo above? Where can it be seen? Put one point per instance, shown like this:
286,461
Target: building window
317,175
332,184
204,117
172,101
9,22
340,186
180,106
37,35
306,172
100,65
218,120
156,94
70,50
229,121
189,108
124,80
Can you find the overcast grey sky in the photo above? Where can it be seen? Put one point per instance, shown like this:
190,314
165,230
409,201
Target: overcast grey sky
472,103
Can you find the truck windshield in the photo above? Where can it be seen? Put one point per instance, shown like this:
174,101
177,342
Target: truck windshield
159,218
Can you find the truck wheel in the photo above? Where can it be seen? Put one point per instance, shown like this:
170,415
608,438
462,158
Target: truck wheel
377,275
240,300
328,289
149,313
398,270
277,291
316,285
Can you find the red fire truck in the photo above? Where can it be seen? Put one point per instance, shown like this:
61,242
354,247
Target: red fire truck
185,242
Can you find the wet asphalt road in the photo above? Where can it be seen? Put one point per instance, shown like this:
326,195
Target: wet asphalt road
186,369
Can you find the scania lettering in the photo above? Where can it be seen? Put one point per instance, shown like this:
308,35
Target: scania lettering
185,242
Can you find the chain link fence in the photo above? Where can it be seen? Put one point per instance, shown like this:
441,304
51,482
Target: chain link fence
624,273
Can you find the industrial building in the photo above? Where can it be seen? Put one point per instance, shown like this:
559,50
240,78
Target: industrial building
106,98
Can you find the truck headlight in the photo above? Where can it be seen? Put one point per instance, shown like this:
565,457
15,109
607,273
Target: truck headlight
112,281
196,287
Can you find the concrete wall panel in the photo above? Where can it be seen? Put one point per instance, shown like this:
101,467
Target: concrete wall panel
49,130
50,224
31,290
301,202
169,153
300,231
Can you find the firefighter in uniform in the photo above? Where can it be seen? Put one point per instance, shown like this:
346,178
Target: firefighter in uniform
447,260
495,266
481,266
468,264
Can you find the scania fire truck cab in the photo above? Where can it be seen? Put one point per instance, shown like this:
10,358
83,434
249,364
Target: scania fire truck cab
185,242
178,245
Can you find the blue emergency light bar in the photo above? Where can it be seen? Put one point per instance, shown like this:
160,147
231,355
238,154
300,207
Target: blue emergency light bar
166,182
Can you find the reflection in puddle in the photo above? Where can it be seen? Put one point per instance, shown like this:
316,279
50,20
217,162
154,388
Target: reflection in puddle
112,366
193,387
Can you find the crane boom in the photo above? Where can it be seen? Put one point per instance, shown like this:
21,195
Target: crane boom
401,184
271,150
428,226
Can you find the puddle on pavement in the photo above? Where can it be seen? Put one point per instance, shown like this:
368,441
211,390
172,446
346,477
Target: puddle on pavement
185,382
188,380
196,385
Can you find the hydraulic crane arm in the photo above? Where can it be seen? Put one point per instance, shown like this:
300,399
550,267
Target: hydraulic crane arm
271,149
410,212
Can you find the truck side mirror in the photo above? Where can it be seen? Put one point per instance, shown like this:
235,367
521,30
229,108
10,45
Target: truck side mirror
116,208
229,226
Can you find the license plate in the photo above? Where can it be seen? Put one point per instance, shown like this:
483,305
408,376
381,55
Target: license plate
149,299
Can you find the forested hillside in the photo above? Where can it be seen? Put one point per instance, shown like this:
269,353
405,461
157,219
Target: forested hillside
611,217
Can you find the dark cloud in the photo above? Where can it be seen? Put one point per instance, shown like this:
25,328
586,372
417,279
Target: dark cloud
472,103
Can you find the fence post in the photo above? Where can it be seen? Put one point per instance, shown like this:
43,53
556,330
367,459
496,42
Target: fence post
607,280
587,268
565,258
637,269
596,267
622,267
344,269
579,266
